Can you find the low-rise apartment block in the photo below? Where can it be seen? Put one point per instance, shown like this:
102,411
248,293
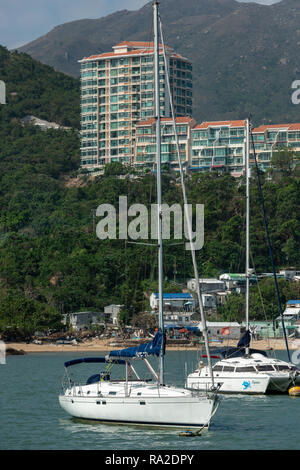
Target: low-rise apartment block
271,138
145,151
219,145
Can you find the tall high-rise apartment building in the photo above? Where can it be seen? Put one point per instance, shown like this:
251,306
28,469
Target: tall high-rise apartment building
117,92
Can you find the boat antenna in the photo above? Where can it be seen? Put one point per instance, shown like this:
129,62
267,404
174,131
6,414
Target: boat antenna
187,216
159,200
269,243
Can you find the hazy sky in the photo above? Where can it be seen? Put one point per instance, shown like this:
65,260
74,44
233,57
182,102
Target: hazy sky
22,21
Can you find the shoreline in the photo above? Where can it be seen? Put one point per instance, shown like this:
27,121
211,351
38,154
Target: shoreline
109,345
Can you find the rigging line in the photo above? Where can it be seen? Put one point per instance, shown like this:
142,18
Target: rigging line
203,320
260,294
258,286
269,243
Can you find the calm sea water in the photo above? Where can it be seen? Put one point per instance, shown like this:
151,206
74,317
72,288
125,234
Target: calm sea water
31,418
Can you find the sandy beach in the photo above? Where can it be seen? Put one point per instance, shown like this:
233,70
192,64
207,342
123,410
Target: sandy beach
110,344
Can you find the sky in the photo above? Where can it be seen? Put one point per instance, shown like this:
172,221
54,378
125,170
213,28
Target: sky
22,21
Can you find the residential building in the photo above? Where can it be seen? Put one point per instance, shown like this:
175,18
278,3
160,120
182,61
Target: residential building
80,320
117,92
176,318
224,330
176,301
145,151
272,137
207,285
272,328
113,312
290,273
236,282
219,145
292,310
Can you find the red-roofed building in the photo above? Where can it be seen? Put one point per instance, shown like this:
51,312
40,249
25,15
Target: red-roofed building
218,146
145,151
117,91
271,138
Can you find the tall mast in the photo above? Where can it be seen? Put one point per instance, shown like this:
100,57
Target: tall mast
189,226
247,166
158,169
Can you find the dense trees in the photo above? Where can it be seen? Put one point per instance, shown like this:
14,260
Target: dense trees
51,261
37,89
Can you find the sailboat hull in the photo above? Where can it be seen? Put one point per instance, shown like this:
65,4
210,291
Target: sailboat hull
167,411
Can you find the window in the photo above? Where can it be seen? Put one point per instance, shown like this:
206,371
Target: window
218,368
278,367
228,369
245,369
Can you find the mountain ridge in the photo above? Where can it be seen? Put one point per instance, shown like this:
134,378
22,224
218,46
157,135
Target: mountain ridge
228,43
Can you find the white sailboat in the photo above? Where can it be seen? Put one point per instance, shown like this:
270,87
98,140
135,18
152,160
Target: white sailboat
132,400
241,369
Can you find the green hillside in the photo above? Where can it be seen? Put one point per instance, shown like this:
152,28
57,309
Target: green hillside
37,89
52,262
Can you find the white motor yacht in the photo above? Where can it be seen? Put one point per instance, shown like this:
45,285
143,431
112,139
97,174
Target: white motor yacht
254,374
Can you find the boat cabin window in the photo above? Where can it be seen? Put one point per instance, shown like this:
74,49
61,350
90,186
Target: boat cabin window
266,368
228,369
112,393
282,367
245,369
218,368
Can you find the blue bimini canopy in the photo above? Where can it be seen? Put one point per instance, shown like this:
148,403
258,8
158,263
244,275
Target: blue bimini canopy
91,359
147,349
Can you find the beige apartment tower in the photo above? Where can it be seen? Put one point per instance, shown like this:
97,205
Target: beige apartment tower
117,92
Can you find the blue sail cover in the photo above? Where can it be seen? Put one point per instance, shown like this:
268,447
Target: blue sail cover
244,342
102,360
148,349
